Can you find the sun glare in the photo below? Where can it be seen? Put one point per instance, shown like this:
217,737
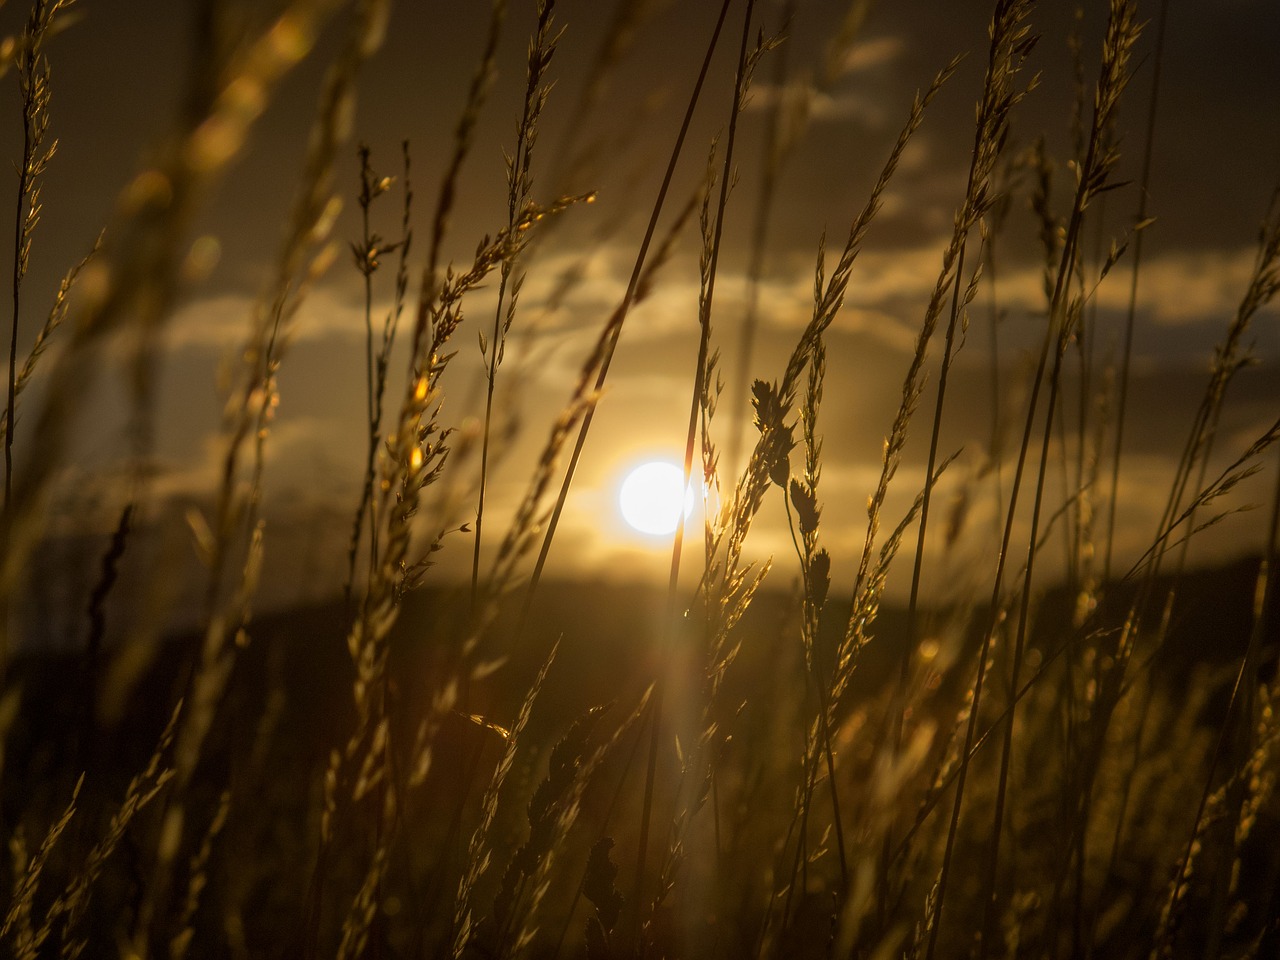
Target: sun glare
651,497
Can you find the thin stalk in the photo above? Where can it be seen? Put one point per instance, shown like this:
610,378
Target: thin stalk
1096,164
609,340
800,861
691,437
519,188
371,377
899,700
1167,928
1122,398
366,175
463,138
109,572
1263,286
1264,594
824,707
366,263
997,424
1161,634
1076,488
33,83
1024,617
1008,46
382,361
759,242
828,298
19,269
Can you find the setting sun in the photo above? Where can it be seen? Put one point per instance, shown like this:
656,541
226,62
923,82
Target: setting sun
651,496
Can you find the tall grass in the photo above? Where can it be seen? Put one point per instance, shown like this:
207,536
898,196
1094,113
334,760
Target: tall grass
766,759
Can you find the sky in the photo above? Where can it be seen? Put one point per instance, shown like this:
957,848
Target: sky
118,75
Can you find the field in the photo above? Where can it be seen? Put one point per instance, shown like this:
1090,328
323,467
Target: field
323,635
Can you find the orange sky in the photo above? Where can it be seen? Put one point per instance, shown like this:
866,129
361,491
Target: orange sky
117,75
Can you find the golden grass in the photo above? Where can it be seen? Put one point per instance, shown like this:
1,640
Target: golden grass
1026,772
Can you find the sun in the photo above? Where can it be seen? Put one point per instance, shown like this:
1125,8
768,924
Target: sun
652,496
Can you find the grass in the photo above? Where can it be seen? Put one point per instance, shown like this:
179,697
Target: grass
773,759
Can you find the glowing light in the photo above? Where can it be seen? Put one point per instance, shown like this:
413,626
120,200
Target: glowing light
652,497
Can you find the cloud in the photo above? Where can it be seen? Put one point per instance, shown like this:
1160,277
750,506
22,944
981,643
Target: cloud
1185,287
805,104
848,98
1176,288
225,320
873,55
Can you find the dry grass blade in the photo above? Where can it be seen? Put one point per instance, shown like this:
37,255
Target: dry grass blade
479,854
27,941
595,370
57,314
34,86
1098,161
368,254
134,280
1011,44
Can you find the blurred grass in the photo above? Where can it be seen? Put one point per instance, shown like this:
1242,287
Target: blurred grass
770,763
